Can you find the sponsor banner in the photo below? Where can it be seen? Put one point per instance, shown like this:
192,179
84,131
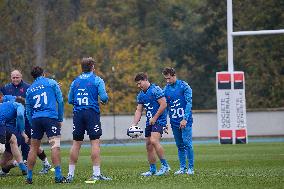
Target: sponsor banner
224,98
240,123
231,108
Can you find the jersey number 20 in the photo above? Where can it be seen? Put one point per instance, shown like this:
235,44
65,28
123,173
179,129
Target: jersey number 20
177,112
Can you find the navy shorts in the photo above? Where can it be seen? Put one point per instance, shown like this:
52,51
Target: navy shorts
86,120
43,125
11,128
27,128
153,128
2,132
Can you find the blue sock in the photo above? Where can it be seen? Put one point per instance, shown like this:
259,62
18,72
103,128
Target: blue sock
190,156
182,157
153,168
164,162
57,172
22,166
30,174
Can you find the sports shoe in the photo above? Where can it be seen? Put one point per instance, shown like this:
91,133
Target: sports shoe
100,177
166,129
45,169
3,174
164,170
190,172
180,171
60,179
29,180
148,173
24,172
69,178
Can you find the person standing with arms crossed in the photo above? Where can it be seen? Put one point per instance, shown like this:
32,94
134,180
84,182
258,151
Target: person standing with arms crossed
152,99
84,94
18,87
45,108
179,99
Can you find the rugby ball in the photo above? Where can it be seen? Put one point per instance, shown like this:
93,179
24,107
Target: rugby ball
134,131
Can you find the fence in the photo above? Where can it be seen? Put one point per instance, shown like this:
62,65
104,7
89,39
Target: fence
259,123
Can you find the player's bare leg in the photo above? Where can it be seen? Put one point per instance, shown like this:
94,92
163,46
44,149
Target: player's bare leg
96,160
155,141
73,158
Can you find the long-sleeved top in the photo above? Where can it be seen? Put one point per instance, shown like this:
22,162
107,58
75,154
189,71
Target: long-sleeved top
10,111
44,99
85,91
179,100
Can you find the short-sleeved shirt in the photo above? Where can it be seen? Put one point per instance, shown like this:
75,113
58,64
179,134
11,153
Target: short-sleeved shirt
149,100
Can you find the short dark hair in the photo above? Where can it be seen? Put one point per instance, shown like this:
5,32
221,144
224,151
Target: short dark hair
170,71
36,72
141,76
87,64
21,100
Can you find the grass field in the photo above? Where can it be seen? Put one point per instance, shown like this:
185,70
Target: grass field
255,165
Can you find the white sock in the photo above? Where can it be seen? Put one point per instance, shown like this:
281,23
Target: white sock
15,163
45,161
96,170
71,170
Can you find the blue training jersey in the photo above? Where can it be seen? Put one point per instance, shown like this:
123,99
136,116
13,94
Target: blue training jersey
10,111
7,98
85,91
179,100
149,100
44,99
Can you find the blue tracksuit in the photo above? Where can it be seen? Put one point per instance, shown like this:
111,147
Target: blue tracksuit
179,100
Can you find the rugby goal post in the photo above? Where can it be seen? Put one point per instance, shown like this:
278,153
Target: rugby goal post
230,89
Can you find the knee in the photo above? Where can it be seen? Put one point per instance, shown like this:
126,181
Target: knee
188,145
54,142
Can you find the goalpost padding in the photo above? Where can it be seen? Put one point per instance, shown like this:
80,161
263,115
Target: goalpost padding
231,108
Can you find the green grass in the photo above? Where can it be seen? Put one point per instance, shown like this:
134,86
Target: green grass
255,165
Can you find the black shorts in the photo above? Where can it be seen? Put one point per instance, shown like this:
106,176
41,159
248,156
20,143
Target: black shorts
153,128
7,144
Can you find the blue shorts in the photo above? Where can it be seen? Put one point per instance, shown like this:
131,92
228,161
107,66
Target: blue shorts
43,125
86,120
153,128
